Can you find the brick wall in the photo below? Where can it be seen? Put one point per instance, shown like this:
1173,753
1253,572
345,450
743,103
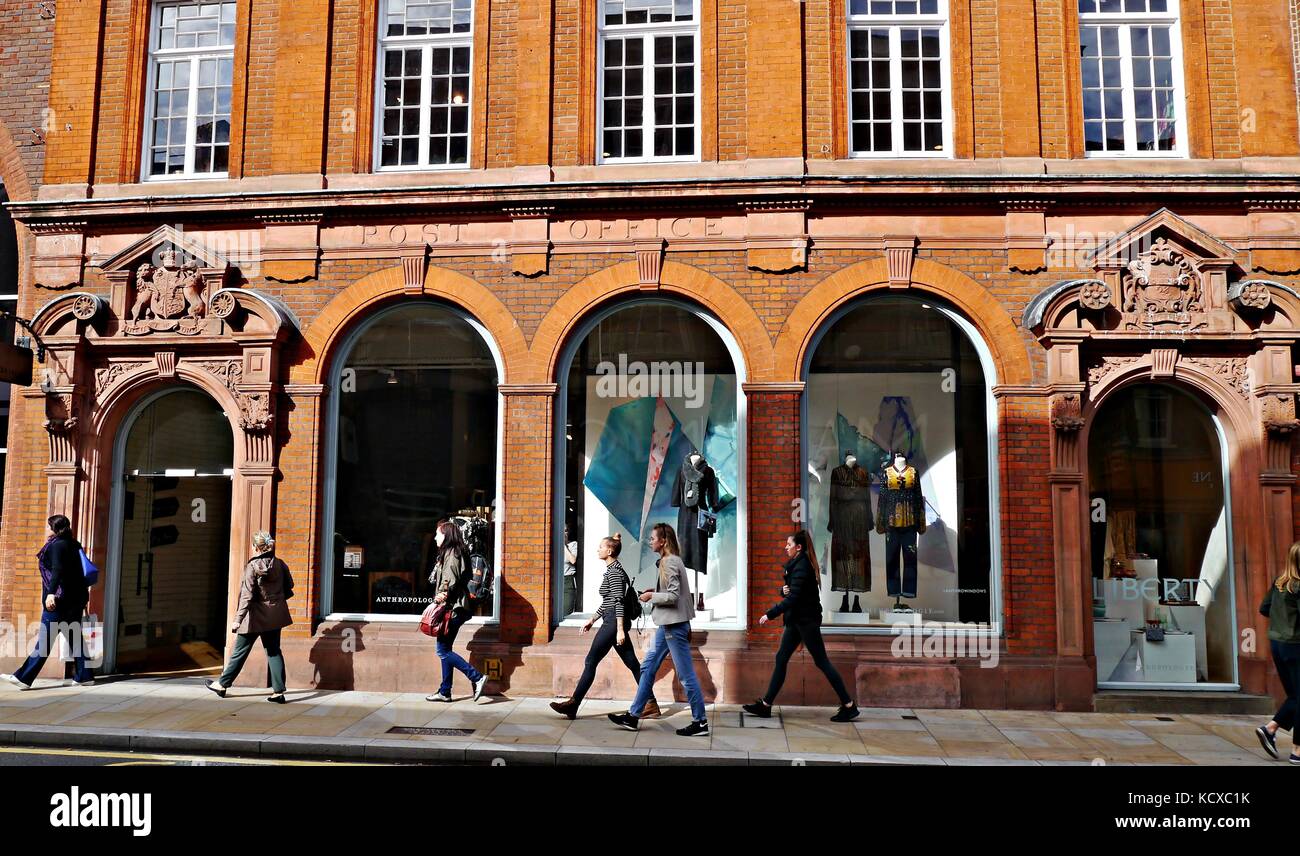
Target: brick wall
1028,569
774,475
986,78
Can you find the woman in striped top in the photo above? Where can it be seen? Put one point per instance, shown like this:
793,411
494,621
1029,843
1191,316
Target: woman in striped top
613,633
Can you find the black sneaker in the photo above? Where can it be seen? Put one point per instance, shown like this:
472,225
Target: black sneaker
216,688
846,713
698,728
760,708
1293,758
626,721
1268,741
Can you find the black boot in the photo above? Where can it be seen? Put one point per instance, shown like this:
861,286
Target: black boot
857,605
844,604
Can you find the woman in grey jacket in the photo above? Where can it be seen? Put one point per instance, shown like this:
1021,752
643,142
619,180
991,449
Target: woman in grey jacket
450,579
1281,607
673,610
262,613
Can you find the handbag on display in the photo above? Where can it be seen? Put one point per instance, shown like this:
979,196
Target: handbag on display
707,522
436,620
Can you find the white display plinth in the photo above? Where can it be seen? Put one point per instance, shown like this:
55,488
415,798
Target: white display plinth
1172,661
1111,642
703,615
890,617
1123,597
1190,618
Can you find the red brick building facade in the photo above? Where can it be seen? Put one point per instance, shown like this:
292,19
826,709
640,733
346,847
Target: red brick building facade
1101,202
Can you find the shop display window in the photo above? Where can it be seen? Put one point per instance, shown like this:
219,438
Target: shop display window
1162,589
651,414
898,448
414,442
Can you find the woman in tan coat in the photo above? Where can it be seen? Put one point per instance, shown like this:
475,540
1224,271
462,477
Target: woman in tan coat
262,613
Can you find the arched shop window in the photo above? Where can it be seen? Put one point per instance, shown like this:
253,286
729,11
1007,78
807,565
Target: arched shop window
648,385
901,375
1161,531
413,441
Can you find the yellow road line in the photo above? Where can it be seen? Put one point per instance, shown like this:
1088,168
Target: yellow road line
138,757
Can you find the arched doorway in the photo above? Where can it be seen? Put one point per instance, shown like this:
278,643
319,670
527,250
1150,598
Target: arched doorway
887,374
412,438
644,385
170,537
1160,528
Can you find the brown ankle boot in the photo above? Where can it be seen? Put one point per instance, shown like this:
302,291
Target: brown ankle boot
651,710
567,708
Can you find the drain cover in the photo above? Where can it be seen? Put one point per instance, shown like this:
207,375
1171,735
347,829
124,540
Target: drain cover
431,732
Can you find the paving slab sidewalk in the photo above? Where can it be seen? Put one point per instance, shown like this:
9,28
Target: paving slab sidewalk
178,714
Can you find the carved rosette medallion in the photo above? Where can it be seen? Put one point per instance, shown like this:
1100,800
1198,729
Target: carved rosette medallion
1094,295
85,307
223,305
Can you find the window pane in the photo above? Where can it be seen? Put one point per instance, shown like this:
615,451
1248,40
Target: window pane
870,380
598,488
1163,527
421,373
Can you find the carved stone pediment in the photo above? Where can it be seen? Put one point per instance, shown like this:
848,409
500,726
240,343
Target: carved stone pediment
162,284
1164,276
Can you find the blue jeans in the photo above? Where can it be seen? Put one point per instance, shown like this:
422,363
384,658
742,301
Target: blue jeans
674,639
71,629
450,659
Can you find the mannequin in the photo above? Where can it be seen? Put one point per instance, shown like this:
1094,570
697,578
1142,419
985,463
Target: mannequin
850,525
695,488
900,517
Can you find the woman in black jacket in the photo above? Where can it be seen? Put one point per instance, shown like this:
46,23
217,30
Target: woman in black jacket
802,608
1282,608
64,595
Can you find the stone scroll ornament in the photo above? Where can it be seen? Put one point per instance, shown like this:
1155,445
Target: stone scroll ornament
1279,414
1067,412
168,298
254,407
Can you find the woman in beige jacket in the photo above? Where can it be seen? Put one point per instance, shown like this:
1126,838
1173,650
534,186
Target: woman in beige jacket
262,613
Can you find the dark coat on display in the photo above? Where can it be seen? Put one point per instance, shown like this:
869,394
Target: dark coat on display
804,602
693,489
850,527
63,576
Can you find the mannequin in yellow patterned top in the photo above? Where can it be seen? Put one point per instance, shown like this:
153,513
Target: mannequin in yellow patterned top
900,518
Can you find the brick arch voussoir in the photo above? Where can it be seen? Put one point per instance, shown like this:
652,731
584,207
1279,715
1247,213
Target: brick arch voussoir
384,286
972,300
676,279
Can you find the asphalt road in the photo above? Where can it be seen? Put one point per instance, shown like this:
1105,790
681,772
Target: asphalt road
36,757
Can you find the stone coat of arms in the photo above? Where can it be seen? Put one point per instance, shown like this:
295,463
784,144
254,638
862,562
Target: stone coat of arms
168,297
1162,287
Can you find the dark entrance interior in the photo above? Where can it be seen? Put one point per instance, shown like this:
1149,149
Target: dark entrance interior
175,544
